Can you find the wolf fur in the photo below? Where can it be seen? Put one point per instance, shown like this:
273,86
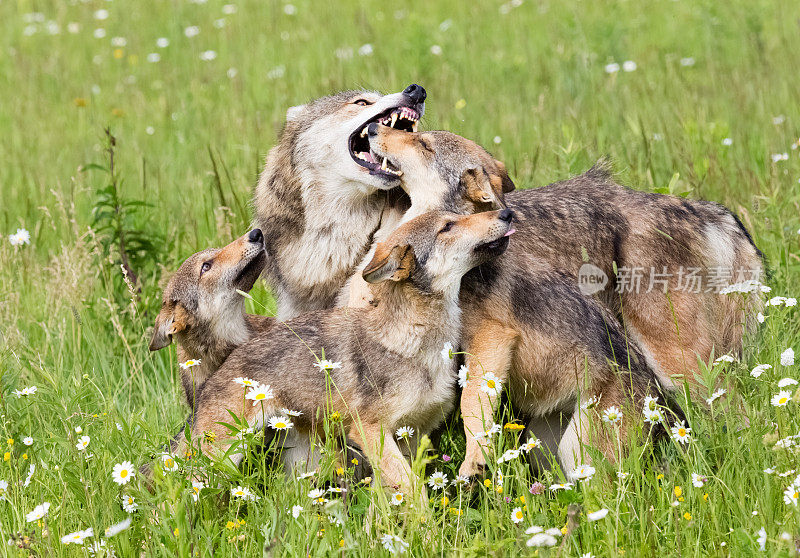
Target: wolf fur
392,371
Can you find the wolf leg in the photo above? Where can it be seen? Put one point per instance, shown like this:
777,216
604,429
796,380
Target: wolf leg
381,449
490,349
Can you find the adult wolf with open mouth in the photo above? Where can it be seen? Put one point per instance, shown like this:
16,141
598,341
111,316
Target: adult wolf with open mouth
321,195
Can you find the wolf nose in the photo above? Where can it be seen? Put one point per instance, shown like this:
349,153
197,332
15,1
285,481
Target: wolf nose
255,236
506,215
372,129
416,93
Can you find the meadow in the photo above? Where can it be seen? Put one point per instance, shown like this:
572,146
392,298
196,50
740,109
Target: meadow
694,98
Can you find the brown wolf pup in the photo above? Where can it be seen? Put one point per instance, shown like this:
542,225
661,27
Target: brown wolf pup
512,305
320,197
389,369
203,312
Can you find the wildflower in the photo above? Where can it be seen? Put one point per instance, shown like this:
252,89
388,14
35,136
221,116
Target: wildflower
461,480
307,475
787,382
296,509
123,472
190,363
280,423
365,50
119,41
508,456
437,480
781,398
289,9
561,486
760,369
99,34
724,358
517,515
168,462
787,357
447,351
245,382
542,539
397,498
698,481
495,428
762,539
317,496
336,489
446,458
463,376
191,31
259,393
27,440
598,515
791,494
513,426
629,66
208,55
78,536
727,142
162,42
38,512
622,475
612,68
197,486
404,432
591,402
687,516
129,503
491,384
25,392
583,472
229,9
394,544
612,415
776,157
716,395
680,432
101,14
291,413
118,528
327,365
3,489
536,488
19,238
789,302
436,50
241,492
531,444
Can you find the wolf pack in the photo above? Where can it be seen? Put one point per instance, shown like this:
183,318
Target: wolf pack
413,281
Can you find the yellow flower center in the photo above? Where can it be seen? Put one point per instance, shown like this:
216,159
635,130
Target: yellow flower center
518,515
681,432
259,396
782,400
490,383
280,425
123,473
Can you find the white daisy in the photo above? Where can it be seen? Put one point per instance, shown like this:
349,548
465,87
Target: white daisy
590,403
118,528
208,55
20,238
760,369
394,544
241,492
78,536
561,486
296,509
306,475
168,462
437,480
191,363
461,481
680,432
327,365
463,376
404,432
716,395
725,358
698,481
129,503
317,496
259,393
629,66
787,357
781,398
397,498
583,472
598,515
491,384
531,444
612,68
191,31
508,456
280,423
517,516
123,472
162,42
612,415
3,489
291,413
246,382
38,512
447,351
27,440
25,392
197,486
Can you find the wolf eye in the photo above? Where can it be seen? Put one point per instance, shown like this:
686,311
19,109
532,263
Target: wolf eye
447,227
205,267
362,102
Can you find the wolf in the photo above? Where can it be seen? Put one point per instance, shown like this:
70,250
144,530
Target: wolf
383,366
203,312
528,304
321,194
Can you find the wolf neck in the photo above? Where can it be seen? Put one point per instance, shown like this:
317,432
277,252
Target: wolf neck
423,200
414,324
213,342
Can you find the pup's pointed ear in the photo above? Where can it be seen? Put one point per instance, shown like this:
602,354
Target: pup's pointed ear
165,327
394,263
507,183
294,112
476,187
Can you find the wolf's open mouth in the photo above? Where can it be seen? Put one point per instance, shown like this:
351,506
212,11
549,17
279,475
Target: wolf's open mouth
400,118
498,245
247,276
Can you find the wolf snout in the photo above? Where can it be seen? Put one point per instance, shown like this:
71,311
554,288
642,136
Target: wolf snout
415,93
256,236
506,215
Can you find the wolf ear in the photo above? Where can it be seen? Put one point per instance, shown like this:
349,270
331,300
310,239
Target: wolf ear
475,188
294,112
507,183
166,326
395,264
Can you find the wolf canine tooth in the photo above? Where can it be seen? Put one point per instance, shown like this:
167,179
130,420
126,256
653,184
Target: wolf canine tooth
364,132
414,126
394,119
385,164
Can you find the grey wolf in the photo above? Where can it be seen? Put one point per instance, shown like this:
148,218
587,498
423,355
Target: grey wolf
203,312
391,372
320,197
511,303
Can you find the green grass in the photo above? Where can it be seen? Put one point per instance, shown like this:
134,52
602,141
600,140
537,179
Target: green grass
533,77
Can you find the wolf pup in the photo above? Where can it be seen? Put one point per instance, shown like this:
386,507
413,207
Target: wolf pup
203,312
389,370
321,194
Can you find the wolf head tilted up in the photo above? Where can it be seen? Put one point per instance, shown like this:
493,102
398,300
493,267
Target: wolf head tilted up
321,194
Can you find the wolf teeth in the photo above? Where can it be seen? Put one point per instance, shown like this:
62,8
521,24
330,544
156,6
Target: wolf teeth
385,164
364,132
414,126
394,119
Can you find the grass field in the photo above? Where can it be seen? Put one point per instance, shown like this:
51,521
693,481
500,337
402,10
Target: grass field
704,102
